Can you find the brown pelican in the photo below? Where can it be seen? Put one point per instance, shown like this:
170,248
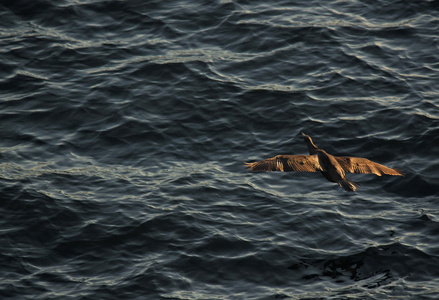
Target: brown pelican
333,168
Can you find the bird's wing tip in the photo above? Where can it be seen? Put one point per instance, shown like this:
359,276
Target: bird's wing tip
248,165
401,172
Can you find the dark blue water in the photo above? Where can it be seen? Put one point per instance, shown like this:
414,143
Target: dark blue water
124,126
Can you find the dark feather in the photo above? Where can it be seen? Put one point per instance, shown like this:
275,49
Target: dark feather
286,163
365,166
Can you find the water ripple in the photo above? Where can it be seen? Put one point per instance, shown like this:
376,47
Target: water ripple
125,126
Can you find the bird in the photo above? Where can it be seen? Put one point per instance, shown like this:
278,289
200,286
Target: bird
333,168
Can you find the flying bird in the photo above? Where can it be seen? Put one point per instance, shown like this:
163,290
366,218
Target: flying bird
333,168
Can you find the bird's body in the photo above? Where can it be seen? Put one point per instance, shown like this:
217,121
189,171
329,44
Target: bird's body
334,172
333,168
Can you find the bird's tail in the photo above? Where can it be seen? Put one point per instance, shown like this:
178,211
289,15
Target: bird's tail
349,185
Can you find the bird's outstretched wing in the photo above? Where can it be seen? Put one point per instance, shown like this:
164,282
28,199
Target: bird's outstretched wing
365,166
286,163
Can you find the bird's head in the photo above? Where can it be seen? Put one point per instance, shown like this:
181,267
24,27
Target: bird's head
311,147
306,138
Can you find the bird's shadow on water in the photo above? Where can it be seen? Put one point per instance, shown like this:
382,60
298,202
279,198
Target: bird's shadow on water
380,263
412,185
